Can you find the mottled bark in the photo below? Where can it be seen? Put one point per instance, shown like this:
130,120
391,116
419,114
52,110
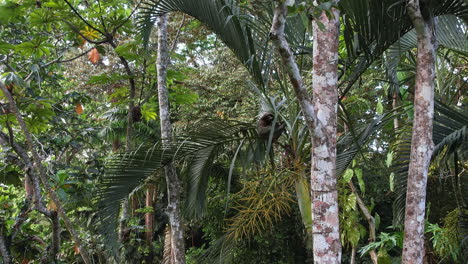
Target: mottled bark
124,215
39,168
174,184
320,117
421,144
327,245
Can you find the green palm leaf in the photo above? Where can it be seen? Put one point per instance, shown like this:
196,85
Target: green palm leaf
450,138
225,18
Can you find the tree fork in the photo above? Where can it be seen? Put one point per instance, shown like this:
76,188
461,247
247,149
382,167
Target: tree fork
320,118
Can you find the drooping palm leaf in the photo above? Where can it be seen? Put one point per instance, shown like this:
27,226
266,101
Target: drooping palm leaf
349,145
126,171
371,27
451,34
225,18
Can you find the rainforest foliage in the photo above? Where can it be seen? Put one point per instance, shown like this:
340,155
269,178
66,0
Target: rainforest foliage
83,78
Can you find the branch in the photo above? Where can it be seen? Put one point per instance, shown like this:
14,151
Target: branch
42,174
84,20
370,220
43,66
126,20
287,57
176,38
77,31
78,56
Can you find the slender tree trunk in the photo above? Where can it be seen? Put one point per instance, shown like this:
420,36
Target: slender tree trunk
327,246
5,250
43,176
124,215
174,184
421,144
320,117
353,256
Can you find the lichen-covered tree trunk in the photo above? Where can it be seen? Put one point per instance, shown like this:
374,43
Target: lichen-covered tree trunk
327,246
174,184
421,144
320,117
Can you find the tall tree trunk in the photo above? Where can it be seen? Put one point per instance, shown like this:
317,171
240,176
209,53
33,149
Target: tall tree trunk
421,144
327,246
320,117
174,184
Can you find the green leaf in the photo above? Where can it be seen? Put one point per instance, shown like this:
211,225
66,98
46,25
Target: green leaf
389,160
128,51
175,75
392,181
379,108
362,185
303,197
351,202
62,176
377,221
348,175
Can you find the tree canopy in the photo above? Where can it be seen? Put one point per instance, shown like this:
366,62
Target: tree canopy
85,154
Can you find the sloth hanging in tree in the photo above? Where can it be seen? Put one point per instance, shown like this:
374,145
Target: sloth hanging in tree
265,124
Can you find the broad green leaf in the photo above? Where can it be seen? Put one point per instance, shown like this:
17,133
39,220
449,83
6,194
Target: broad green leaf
362,185
348,175
379,108
304,201
389,160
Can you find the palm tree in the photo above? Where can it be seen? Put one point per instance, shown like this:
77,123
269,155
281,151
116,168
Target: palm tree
247,36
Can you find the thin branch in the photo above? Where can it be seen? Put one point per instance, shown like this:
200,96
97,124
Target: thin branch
84,20
43,66
100,16
39,167
176,38
370,220
78,56
126,20
77,31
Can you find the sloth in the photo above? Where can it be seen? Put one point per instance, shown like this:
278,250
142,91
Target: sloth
264,125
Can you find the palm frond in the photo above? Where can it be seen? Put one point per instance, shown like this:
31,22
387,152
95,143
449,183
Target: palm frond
127,171
349,144
449,137
225,18
371,27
